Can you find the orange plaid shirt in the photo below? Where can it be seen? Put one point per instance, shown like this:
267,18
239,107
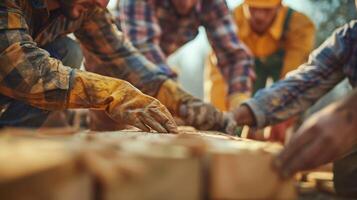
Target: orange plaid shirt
28,73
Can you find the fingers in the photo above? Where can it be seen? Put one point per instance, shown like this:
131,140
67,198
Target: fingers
289,155
201,115
141,125
314,155
190,117
230,125
152,123
165,119
244,116
302,160
216,120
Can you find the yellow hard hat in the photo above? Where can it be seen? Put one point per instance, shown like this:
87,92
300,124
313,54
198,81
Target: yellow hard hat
262,3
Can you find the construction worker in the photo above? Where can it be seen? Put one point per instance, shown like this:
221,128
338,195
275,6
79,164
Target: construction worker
280,39
330,133
159,27
36,81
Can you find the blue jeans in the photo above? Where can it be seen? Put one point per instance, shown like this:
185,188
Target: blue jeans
19,114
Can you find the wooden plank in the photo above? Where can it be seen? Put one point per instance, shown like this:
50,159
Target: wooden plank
159,178
144,169
137,165
244,171
40,169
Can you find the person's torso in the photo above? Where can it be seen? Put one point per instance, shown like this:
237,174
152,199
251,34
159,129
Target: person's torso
45,26
268,48
176,30
271,41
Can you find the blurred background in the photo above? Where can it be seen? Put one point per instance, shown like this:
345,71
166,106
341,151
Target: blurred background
190,60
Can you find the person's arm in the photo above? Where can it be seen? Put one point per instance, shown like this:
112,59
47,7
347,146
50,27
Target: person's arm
139,23
233,58
308,83
326,136
109,52
29,74
112,54
299,42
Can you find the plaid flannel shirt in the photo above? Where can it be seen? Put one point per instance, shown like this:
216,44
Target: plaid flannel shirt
156,29
328,65
29,74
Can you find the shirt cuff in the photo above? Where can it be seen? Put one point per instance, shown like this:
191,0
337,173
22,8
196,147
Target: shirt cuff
259,115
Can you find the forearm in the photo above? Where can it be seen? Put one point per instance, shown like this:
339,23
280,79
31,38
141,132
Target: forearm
112,54
308,83
30,75
348,108
292,95
238,75
326,136
233,58
153,52
144,32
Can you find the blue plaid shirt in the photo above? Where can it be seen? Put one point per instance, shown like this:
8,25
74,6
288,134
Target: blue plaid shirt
333,61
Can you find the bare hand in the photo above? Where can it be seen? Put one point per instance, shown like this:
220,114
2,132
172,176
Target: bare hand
324,137
244,116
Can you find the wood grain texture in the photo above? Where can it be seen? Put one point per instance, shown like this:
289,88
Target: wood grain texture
134,165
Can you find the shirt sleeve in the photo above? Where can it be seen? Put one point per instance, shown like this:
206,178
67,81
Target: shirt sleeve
27,72
233,58
107,51
308,83
299,42
139,22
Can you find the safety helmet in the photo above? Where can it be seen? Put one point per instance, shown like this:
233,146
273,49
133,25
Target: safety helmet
262,3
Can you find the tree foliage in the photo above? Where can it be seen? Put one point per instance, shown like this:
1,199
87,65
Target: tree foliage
330,14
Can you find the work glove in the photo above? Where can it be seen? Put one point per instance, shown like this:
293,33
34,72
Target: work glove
236,99
230,126
193,111
121,101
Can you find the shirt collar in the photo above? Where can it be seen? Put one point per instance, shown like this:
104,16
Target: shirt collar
275,30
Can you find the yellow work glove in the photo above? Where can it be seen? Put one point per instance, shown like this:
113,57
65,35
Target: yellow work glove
193,111
236,99
121,101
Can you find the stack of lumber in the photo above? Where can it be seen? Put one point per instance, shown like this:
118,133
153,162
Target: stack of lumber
134,165
41,169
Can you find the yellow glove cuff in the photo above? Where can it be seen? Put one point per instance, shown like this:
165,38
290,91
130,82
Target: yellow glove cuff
235,100
172,95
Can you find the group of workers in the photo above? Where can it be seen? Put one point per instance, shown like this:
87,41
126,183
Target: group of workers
127,80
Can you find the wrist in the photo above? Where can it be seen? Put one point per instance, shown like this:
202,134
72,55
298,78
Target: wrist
236,99
244,116
173,96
